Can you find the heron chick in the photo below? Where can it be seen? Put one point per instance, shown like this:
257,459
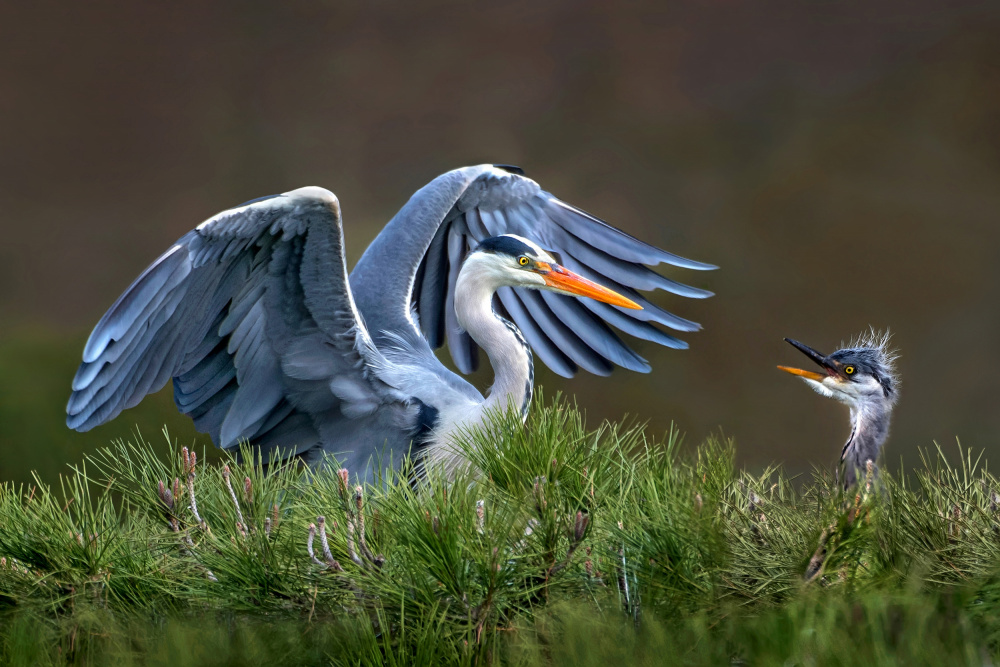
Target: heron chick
861,375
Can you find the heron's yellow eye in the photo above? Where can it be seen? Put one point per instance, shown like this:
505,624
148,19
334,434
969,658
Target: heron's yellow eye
849,370
522,260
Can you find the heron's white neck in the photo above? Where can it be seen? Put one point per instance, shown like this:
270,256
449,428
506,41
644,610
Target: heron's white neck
509,355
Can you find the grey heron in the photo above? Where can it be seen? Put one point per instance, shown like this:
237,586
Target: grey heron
861,375
269,340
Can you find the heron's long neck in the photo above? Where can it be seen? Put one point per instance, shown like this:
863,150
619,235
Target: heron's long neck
870,430
509,355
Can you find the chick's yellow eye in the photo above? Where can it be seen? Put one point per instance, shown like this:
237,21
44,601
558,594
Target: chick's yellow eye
849,370
522,261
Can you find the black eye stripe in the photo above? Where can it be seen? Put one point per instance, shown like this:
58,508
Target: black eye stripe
504,245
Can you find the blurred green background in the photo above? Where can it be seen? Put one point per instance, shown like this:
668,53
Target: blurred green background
839,161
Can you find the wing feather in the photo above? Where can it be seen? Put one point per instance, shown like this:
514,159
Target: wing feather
636,276
460,344
562,336
564,333
252,315
594,332
600,234
434,288
148,291
547,351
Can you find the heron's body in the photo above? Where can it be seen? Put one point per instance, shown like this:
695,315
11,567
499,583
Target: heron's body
862,376
269,340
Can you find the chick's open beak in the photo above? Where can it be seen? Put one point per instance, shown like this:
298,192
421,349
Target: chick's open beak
809,375
564,280
831,367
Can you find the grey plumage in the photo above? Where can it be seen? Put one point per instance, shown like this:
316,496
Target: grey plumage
269,340
861,375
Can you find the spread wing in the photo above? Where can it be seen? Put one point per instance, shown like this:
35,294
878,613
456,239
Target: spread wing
406,279
252,316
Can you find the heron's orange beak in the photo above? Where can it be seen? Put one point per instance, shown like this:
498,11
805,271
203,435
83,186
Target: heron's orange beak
564,280
809,375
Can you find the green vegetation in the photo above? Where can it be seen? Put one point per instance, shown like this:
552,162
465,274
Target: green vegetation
561,545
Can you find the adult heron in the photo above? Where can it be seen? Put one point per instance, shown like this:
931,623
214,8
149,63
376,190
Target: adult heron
861,375
268,340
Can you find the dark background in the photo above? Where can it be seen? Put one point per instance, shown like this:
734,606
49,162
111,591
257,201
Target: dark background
838,160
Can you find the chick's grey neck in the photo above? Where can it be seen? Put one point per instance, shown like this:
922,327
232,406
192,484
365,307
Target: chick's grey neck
503,343
869,430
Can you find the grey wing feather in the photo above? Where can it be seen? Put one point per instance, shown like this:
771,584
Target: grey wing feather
547,351
460,344
562,336
427,240
252,316
434,290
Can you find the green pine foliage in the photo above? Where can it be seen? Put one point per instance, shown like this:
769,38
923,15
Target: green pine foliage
558,545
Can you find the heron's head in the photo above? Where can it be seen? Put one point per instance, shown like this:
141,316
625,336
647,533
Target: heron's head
514,261
859,373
